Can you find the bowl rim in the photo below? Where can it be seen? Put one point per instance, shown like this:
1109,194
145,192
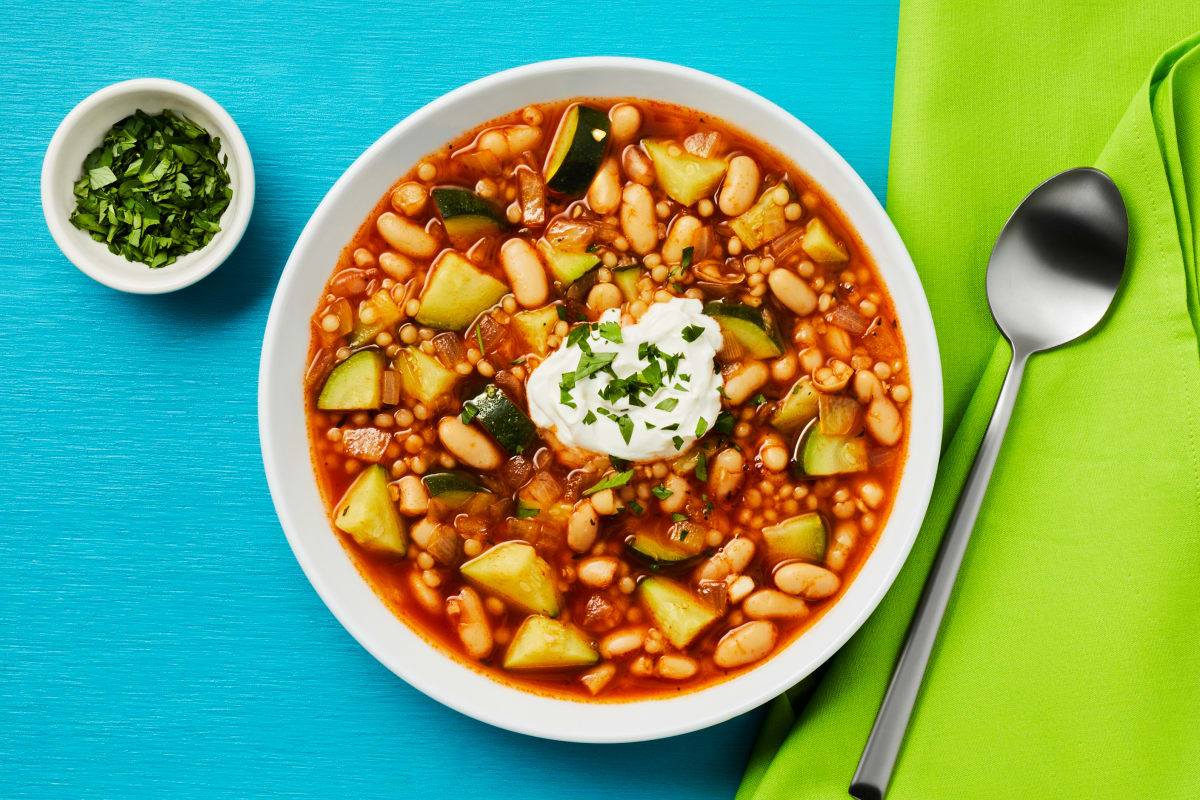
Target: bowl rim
187,269
564,719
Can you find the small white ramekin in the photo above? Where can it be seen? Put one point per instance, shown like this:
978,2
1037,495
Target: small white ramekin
82,131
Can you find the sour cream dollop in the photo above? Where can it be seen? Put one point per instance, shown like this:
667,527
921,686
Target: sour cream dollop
640,398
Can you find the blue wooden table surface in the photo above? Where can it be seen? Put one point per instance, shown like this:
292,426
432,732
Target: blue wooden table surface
156,635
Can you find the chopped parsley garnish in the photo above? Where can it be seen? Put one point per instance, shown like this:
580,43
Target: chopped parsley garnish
677,517
674,426
469,413
635,507
619,464
693,332
589,417
661,492
668,404
677,441
701,427
577,335
702,467
626,426
649,426
611,482
564,397
758,399
562,313
515,362
154,190
610,331
687,257
724,424
525,512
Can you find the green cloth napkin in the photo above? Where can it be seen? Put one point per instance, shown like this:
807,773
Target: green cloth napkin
1069,661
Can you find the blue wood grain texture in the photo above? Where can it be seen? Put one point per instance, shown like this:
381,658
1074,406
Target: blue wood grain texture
156,635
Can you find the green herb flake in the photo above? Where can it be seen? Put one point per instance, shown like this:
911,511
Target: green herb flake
677,517
635,507
611,482
661,492
589,417
724,424
469,413
525,512
668,404
515,362
154,190
562,313
758,399
610,331
677,441
687,257
479,337
702,467
619,464
692,332
701,427
626,426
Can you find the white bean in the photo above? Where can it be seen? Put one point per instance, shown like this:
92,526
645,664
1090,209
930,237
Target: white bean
792,291
406,236
741,186
638,221
429,598
731,559
414,499
770,604
582,527
725,475
604,296
604,195
807,580
597,572
525,274
845,536
466,610
749,377
675,667
625,121
681,234
468,444
745,644
883,421
622,642
679,494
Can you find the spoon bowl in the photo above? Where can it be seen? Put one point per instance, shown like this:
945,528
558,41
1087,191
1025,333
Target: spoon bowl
1058,260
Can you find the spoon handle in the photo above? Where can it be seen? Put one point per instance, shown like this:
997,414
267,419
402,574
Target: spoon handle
879,756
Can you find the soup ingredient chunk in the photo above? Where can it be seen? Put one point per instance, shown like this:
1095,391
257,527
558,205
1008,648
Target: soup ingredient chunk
514,572
367,513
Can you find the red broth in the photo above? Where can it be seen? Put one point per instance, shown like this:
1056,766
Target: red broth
692,567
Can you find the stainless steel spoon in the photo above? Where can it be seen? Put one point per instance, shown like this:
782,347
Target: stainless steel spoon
1052,276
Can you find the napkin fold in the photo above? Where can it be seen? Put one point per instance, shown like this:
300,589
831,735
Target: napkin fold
1069,660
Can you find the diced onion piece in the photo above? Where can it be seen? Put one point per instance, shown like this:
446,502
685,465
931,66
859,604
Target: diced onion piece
788,244
317,370
445,546
849,320
390,394
838,414
532,195
570,235
880,339
449,349
479,160
702,143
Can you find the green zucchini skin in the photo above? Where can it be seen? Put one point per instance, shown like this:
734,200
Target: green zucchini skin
822,454
584,153
507,424
454,488
657,556
749,326
354,384
467,216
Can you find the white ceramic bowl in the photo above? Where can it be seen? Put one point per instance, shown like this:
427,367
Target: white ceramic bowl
285,443
82,131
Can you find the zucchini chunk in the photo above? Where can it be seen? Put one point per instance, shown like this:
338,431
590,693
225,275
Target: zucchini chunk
803,537
798,408
534,327
454,488
564,266
750,326
678,548
824,454
764,221
820,243
422,376
577,150
626,280
466,216
500,417
367,513
838,414
678,613
544,643
514,572
387,314
356,384
457,292
685,178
